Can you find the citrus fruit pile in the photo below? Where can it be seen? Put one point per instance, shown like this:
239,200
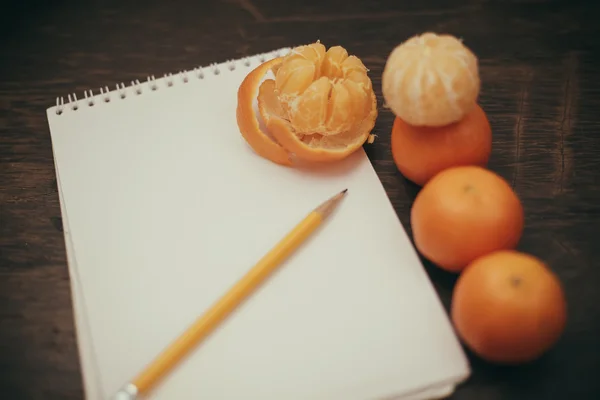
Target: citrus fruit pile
431,83
507,306
318,107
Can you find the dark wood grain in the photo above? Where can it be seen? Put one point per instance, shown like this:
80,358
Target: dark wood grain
539,65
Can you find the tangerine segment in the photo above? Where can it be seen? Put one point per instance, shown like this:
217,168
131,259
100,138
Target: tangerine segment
332,64
302,67
431,80
420,152
310,109
268,102
247,121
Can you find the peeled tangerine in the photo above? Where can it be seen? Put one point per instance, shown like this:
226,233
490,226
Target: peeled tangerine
319,107
431,80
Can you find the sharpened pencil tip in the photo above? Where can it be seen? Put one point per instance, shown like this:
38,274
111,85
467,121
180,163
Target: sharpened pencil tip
328,205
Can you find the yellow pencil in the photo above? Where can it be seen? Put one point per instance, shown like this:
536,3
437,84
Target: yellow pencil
204,325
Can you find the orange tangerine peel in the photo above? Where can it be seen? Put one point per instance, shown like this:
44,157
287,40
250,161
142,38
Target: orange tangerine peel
320,106
431,80
247,122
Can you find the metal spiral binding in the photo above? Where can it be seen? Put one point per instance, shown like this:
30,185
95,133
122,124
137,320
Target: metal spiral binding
137,88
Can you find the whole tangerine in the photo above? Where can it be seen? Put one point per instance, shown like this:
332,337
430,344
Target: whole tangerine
508,307
421,152
463,213
431,80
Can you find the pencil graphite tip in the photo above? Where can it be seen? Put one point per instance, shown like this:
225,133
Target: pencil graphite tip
327,207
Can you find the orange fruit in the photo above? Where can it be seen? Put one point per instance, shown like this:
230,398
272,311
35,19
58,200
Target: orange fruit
464,213
421,152
318,107
431,80
508,307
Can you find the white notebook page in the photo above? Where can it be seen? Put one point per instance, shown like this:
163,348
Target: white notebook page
167,207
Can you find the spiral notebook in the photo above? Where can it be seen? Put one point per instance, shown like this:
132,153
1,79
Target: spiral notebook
165,206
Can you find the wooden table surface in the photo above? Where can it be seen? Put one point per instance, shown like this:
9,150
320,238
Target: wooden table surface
539,65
